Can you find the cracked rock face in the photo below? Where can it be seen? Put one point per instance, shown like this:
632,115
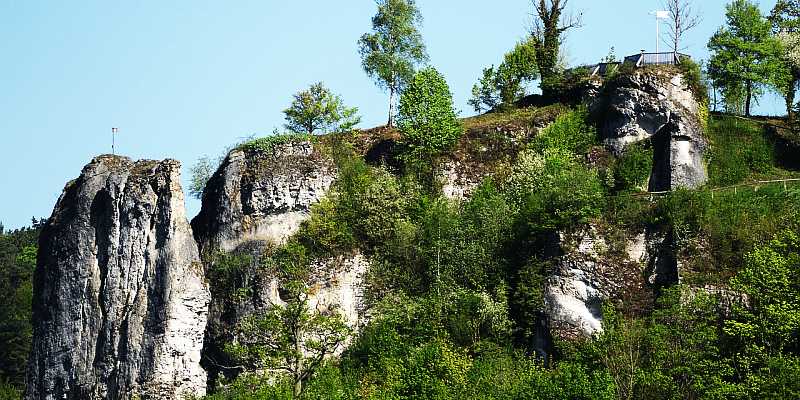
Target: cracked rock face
590,271
255,200
120,300
652,106
260,195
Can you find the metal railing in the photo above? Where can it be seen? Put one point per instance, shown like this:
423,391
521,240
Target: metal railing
754,185
668,58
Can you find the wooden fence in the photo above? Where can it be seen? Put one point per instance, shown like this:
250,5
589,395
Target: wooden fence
755,185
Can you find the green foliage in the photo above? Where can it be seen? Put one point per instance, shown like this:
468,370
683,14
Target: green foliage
632,170
254,387
784,19
770,321
9,391
395,47
499,89
746,57
693,78
718,230
290,337
426,116
554,190
268,143
317,109
228,273
199,175
739,150
18,250
570,132
548,29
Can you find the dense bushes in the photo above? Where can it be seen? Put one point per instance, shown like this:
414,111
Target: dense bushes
632,170
570,132
554,190
17,262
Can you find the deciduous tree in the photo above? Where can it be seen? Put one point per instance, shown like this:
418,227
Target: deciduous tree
318,109
745,56
682,19
502,87
394,48
426,116
785,19
550,24
291,337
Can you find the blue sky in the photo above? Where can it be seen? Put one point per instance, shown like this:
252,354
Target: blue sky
186,78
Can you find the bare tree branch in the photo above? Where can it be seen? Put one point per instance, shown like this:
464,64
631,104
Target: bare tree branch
683,18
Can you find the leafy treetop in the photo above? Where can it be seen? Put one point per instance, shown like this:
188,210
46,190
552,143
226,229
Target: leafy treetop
392,51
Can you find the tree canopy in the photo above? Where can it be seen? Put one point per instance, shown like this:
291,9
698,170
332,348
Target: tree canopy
745,55
426,116
317,109
394,48
500,88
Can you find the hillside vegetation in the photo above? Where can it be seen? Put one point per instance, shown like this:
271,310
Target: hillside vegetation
455,287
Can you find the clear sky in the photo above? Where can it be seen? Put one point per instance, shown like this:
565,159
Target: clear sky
186,78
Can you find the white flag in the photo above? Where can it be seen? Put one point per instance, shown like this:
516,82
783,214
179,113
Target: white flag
662,14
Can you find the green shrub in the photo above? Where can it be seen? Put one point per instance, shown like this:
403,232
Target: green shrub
693,78
426,117
554,190
632,170
228,274
254,386
570,132
725,225
268,143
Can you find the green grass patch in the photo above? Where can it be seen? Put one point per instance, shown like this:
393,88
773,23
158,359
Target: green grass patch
531,116
740,151
268,143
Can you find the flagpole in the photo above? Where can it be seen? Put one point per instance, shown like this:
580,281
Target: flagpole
113,136
657,55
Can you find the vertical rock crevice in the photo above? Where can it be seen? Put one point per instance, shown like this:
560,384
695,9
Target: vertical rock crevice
120,300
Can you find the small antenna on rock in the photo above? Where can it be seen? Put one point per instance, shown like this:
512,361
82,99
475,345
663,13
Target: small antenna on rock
113,133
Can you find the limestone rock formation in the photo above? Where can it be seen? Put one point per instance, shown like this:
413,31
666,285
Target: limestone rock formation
258,195
255,200
120,300
487,148
591,271
656,106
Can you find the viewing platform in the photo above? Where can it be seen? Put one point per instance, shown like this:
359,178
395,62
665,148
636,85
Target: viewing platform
639,60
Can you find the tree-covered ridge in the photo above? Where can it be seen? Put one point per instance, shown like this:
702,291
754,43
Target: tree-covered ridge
455,288
17,263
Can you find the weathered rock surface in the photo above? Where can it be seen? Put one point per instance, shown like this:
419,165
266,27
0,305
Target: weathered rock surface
656,106
574,294
260,195
336,284
591,271
120,301
255,200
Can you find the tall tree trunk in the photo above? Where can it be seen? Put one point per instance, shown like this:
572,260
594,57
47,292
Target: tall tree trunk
298,371
790,94
391,106
749,98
